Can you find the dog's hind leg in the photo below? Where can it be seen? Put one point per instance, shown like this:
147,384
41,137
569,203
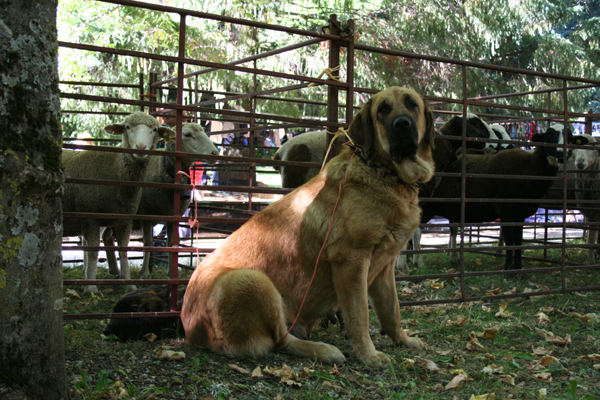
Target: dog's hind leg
385,302
251,311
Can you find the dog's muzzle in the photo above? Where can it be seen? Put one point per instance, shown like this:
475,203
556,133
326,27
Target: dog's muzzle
403,137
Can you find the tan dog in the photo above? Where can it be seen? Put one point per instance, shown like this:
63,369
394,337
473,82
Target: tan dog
244,296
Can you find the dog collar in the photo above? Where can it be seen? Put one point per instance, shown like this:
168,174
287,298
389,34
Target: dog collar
380,168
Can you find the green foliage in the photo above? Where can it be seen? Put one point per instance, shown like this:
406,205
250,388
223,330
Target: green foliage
560,37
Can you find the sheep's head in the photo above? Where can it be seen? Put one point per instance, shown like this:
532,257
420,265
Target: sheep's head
195,140
556,134
140,131
585,158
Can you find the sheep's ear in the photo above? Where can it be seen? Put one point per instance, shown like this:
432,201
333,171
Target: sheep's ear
538,137
115,129
429,126
166,133
361,128
578,140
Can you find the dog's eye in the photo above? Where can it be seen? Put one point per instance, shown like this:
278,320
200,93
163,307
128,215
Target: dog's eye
384,109
410,103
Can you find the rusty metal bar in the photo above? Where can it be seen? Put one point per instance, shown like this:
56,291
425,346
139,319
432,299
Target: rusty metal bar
222,18
247,59
190,61
473,64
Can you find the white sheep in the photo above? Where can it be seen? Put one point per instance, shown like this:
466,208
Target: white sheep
160,201
139,131
588,188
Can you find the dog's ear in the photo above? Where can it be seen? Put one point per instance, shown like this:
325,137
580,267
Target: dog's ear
429,126
361,128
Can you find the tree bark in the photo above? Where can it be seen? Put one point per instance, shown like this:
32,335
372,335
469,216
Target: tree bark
32,356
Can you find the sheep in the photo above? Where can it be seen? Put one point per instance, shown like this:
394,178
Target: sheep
160,201
543,161
588,188
444,153
307,147
139,131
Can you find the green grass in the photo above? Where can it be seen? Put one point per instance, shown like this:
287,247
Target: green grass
445,328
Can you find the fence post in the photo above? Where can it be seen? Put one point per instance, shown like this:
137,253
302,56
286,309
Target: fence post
332,91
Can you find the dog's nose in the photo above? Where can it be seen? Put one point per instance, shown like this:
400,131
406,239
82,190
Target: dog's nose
402,123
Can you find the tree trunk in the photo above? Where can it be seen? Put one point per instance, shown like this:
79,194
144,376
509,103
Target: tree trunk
32,357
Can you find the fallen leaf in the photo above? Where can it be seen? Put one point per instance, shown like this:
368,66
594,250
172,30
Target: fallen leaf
593,357
540,351
547,360
552,338
492,369
72,293
241,370
408,363
426,364
170,355
542,318
490,356
507,379
544,376
490,333
474,340
585,318
305,371
596,367
455,381
458,372
503,313
151,337
479,397
542,394
334,371
257,373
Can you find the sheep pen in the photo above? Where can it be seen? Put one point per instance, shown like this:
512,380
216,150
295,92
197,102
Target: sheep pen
139,131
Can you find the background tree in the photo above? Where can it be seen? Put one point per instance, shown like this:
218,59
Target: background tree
32,363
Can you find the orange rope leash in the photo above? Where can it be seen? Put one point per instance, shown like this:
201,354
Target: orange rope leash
321,251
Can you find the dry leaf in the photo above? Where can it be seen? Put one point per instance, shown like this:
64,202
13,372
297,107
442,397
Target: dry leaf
542,318
474,340
552,338
241,370
72,293
151,337
507,379
426,364
458,372
490,356
585,318
547,360
479,397
170,355
540,351
492,369
408,363
305,371
455,381
334,371
596,367
544,376
257,373
543,393
490,333
503,313
593,357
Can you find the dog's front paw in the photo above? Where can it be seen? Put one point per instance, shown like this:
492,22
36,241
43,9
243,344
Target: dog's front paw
415,343
376,359
329,354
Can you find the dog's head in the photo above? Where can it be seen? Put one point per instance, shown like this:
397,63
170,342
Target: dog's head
397,126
